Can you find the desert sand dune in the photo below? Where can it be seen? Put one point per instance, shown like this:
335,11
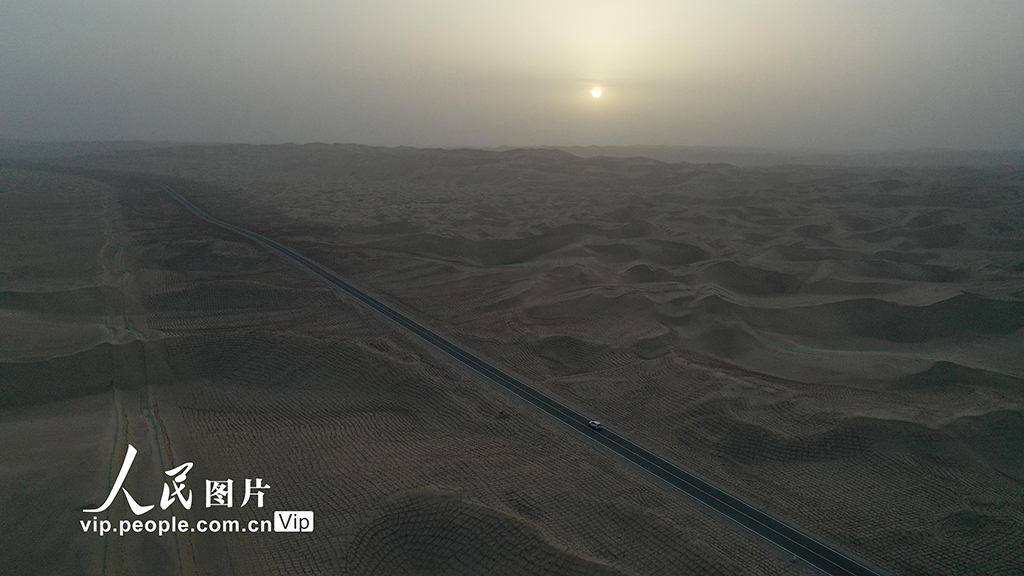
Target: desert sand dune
839,345
223,355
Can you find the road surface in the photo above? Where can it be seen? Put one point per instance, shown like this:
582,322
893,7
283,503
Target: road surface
787,537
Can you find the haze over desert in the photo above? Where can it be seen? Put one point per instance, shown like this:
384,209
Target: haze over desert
497,288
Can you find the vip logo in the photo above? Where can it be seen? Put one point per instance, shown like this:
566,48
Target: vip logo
293,521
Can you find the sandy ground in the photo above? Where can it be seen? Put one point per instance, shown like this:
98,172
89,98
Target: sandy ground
840,345
195,346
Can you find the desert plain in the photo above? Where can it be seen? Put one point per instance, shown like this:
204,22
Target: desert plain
841,346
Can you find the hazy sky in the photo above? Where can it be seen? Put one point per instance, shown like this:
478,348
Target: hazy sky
790,73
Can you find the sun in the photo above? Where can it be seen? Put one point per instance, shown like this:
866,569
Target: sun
596,92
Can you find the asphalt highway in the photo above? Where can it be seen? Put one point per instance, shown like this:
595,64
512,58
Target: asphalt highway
794,541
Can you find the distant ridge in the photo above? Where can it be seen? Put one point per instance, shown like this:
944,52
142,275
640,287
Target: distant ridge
779,156
747,157
38,149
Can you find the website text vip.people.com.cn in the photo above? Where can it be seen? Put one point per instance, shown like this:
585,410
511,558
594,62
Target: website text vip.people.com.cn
284,521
